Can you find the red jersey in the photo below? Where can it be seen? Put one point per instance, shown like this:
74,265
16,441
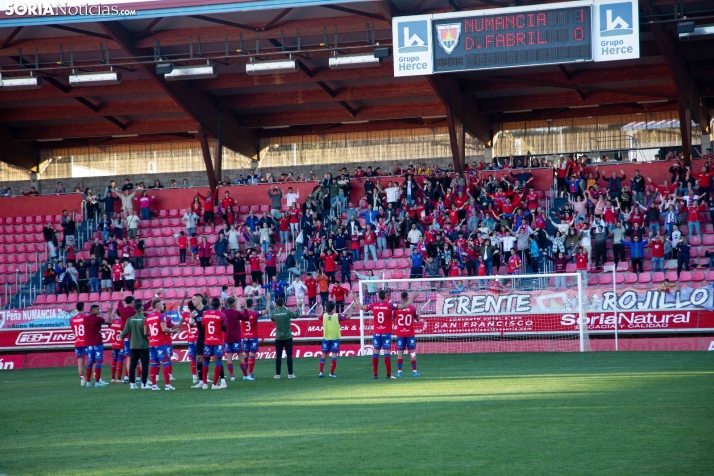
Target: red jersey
404,320
657,249
153,322
116,327
182,242
532,199
581,261
192,336
382,312
311,285
93,330
193,242
339,292
249,327
77,323
213,322
227,203
514,264
233,320
693,213
294,215
254,263
117,271
284,224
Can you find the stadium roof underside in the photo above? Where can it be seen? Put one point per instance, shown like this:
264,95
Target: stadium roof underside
238,109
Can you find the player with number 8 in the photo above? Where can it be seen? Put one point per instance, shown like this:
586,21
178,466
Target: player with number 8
382,312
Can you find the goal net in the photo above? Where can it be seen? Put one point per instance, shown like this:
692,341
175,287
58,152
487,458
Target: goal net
516,313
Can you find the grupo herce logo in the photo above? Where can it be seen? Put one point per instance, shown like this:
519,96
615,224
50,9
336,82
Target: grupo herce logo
412,37
616,19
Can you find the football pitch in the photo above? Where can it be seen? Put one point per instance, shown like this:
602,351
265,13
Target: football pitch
493,414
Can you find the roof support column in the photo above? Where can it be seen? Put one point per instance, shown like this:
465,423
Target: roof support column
457,139
206,150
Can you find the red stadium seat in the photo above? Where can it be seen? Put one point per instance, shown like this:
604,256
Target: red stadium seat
41,299
51,299
684,277
630,278
644,278
698,276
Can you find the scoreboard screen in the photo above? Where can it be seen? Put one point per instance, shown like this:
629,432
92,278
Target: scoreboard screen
525,38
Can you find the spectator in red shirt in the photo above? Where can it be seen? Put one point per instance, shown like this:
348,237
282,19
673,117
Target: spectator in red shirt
657,245
204,252
208,206
182,242
328,260
311,285
581,264
339,292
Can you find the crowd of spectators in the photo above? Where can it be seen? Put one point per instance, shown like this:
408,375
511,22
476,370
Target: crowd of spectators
484,221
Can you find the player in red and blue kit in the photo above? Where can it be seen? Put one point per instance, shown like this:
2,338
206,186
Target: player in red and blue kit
191,339
233,336
406,337
382,312
214,324
95,346
159,333
249,329
169,340
118,353
80,341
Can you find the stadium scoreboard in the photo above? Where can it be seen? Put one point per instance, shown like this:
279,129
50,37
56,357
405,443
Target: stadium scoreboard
513,39
590,30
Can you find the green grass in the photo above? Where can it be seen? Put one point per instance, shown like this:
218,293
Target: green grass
493,414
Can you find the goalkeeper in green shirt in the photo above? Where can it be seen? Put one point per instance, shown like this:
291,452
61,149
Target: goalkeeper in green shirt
331,338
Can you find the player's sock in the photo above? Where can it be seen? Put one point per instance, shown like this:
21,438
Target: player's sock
400,361
120,370
193,366
171,367
333,365
414,364
114,369
244,368
230,370
204,372
375,363
153,372
97,372
89,373
322,365
167,373
251,364
388,364
217,372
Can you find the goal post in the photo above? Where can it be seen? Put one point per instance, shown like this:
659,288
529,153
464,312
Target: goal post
513,313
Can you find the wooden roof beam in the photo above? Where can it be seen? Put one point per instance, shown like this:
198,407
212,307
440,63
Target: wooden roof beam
201,106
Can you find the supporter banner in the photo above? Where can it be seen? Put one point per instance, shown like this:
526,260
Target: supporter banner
30,318
505,301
